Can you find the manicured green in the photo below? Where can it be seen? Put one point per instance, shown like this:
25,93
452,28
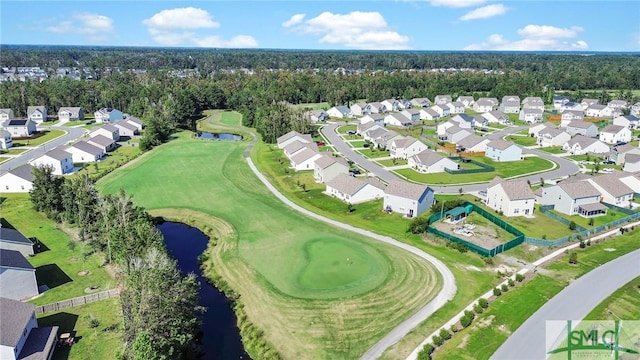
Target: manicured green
374,153
43,137
392,162
552,149
356,143
522,140
4,158
102,342
78,122
112,161
622,304
14,151
611,215
57,266
345,128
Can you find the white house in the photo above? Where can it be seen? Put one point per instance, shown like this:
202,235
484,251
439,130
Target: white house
631,163
6,114
530,115
105,143
483,105
107,130
553,137
83,152
574,198
37,114
353,190
18,180
455,134
559,101
125,128
442,110
500,150
292,136
397,119
464,121
384,140
339,112
107,115
569,116
373,132
17,277
404,104
316,116
617,104
588,102
456,107
429,114
377,108
441,129
20,128
12,239
613,190
327,167
632,180
510,105
304,160
137,122
5,140
407,198
571,106
533,102
619,152
421,102
21,338
442,99
369,125
496,116
597,110
360,109
67,113
581,145
429,162
412,114
60,161
406,147
297,146
512,197
467,101
472,143
630,121
635,109
534,129
375,118
585,128
391,104
613,134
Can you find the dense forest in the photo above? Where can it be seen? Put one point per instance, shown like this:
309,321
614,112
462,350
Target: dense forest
169,101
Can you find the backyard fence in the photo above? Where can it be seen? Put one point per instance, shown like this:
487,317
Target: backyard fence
546,209
78,301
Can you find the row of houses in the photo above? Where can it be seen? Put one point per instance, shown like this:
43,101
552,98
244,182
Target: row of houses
38,114
593,108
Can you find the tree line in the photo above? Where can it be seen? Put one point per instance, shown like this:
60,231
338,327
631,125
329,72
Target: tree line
159,304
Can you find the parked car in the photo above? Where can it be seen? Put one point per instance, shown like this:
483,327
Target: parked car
320,143
355,171
351,132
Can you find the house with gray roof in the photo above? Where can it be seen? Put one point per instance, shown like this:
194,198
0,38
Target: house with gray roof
533,102
464,121
360,109
105,143
428,162
472,143
398,119
339,112
6,114
421,102
304,160
510,197
442,99
455,134
59,160
135,122
17,276
292,136
383,139
585,128
598,110
632,180
6,142
617,104
635,109
407,198
496,116
531,115
631,163
126,128
483,105
67,113
83,152
37,114
21,338
467,101
586,102
403,148
374,133
559,101
413,114
456,107
20,128
442,110
613,190
377,108
501,150
17,180
108,130
429,114
391,104
510,105
328,166
353,190
569,116
298,146
534,129
553,137
363,127
107,115
572,197
12,239
614,134
581,145
630,121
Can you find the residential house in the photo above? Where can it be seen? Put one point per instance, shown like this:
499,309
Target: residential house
530,115
106,144
613,191
617,104
631,163
632,180
377,108
464,121
406,147
480,121
384,141
442,99
339,112
455,134
5,140
552,137
304,160
12,239
442,110
585,128
375,118
66,113
353,190
17,277
316,116
429,162
597,110
588,102
59,160
107,115
374,133
442,127
581,145
510,197
467,101
404,104
126,129
83,152
292,136
6,114
17,180
472,143
569,116
534,129
397,119
483,105
613,134
297,146
635,109
407,198
619,152
421,102
20,128
630,121
412,114
500,150
533,102
429,114
360,109
456,107
391,104
496,116
572,106
370,125
107,130
327,167
574,198
559,101
37,114
21,338
136,122
510,105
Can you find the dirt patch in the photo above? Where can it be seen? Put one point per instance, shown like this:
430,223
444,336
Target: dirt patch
463,342
84,273
610,249
91,289
485,235
473,268
485,322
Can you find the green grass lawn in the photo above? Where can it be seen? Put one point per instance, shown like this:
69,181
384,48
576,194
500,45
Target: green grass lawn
623,304
102,342
392,162
57,266
4,158
13,151
357,143
114,160
374,153
78,122
522,140
314,291
552,149
585,158
42,137
345,128
611,215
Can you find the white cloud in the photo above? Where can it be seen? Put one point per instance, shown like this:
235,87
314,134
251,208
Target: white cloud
94,26
295,19
185,26
355,30
534,38
484,12
181,18
456,3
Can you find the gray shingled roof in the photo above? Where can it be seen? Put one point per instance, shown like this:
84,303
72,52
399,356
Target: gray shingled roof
374,134
427,157
13,235
582,140
552,131
303,155
101,140
24,172
88,148
405,142
579,189
575,113
346,184
126,125
484,102
5,111
288,136
516,189
500,144
15,316
12,258
31,109
406,190
632,158
110,128
580,124
471,141
431,112
297,145
58,154
611,184
326,160
613,129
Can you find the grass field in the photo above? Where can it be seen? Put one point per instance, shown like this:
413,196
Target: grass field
314,291
552,149
102,342
522,140
374,153
623,304
611,215
392,162
57,266
13,151
43,137
345,128
114,160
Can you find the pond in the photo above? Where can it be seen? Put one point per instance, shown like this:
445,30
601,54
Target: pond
219,136
220,333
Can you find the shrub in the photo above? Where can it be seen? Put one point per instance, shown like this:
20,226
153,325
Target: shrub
488,260
467,319
93,322
444,334
478,309
573,258
519,277
589,242
497,292
504,288
425,353
484,303
511,282
454,328
419,225
591,222
437,340
544,237
572,226
582,244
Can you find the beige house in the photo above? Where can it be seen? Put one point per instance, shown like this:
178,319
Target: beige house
327,167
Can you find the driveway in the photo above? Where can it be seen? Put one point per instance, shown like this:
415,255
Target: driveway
572,303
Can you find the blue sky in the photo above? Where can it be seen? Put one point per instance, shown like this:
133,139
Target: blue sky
383,25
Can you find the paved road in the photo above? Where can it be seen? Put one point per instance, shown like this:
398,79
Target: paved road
565,167
72,133
448,283
572,303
